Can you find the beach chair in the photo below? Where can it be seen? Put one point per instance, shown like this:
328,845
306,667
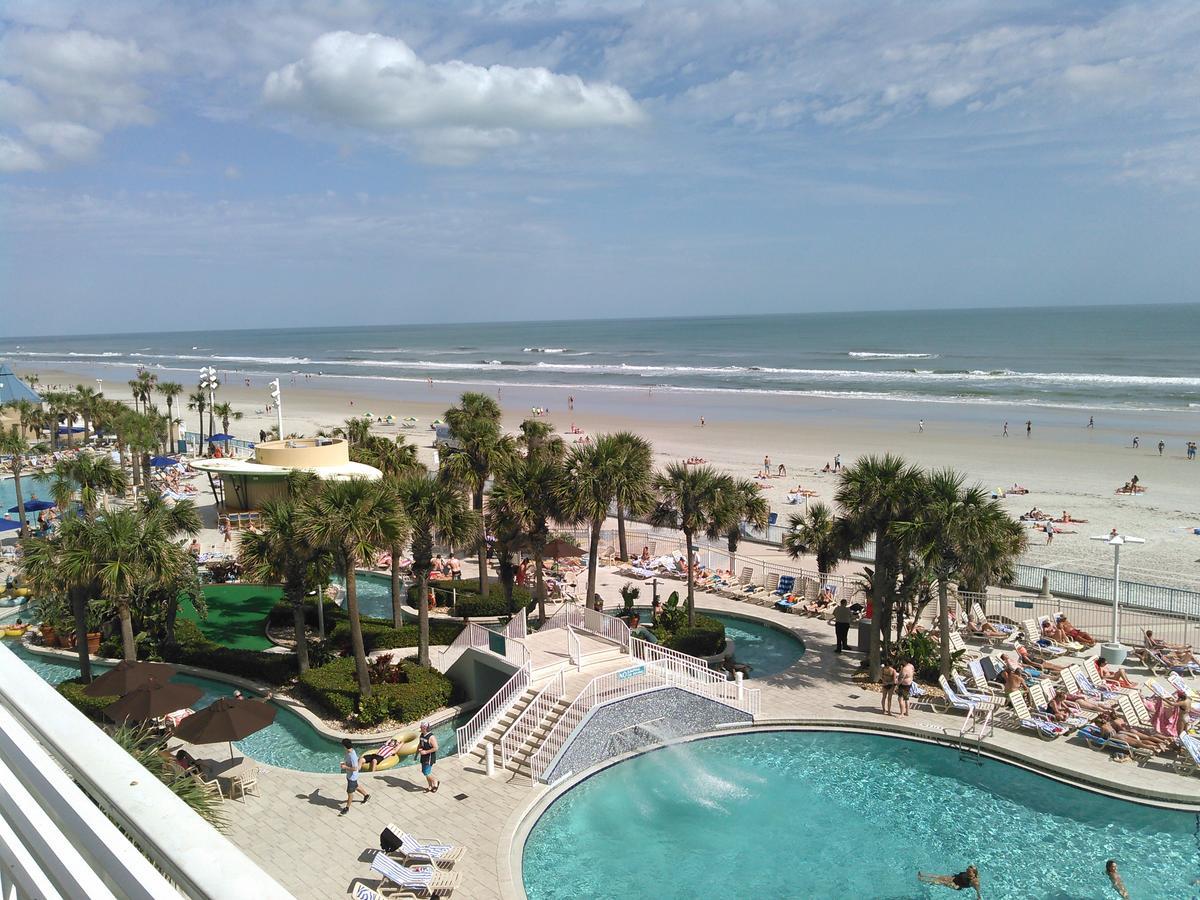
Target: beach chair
1090,735
957,644
360,891
1046,728
1089,687
430,852
955,701
975,697
979,681
1160,665
1179,684
1041,694
918,696
783,585
210,786
415,880
1188,761
1112,684
1135,714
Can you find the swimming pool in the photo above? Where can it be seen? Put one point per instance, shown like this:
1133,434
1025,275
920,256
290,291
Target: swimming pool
767,650
375,595
289,742
31,486
808,814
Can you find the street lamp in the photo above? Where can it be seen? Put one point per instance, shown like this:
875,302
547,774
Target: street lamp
275,398
1113,651
209,382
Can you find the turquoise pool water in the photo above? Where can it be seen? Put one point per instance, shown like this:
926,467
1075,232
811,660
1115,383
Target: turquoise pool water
375,595
30,487
792,814
767,650
289,742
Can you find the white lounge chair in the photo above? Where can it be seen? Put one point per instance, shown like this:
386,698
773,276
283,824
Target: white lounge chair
1090,688
1188,762
415,849
1046,728
415,880
966,704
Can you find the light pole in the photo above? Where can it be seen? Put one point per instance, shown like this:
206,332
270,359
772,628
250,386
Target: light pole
275,397
1113,651
209,382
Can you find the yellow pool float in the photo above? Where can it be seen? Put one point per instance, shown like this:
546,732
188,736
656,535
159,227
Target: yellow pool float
389,754
15,630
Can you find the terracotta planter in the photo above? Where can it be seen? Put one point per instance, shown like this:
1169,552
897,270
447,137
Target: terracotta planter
93,640
49,636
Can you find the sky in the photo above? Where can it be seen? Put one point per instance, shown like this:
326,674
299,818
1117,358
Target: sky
271,163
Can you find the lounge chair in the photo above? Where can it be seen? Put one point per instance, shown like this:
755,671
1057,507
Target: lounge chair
1041,695
1160,665
1089,687
1179,684
1033,638
416,880
1047,729
958,644
1090,734
976,697
979,681
1112,684
414,849
964,703
1188,762
784,585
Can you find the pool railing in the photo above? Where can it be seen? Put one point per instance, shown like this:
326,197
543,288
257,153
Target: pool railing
469,735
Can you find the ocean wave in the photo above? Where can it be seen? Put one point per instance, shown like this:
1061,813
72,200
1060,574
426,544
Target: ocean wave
545,350
871,354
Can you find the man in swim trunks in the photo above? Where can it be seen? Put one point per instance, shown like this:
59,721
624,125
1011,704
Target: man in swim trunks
968,878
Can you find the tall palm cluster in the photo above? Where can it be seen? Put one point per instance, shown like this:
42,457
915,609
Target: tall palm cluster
932,533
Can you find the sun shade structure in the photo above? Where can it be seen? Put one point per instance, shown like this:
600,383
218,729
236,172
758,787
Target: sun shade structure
13,388
221,437
152,699
163,462
33,506
125,676
228,719
560,549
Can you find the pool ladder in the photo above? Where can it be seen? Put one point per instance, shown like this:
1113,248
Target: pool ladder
972,751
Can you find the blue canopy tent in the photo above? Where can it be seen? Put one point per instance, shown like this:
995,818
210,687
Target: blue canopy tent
13,388
33,506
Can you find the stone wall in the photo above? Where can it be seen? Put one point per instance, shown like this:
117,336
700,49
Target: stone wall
642,721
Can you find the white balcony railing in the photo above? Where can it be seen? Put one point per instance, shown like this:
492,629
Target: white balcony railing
531,717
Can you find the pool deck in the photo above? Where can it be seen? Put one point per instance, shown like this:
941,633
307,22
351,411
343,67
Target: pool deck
294,832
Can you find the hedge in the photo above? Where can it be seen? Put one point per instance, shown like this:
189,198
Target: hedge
280,615
335,687
192,648
469,602
705,638
382,636
92,707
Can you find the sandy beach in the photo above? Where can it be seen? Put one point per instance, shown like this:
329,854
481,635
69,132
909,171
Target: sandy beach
1065,465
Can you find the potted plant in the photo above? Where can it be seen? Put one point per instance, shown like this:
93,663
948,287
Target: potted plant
53,609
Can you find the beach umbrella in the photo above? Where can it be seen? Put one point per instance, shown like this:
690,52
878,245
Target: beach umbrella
410,419
126,675
227,719
559,548
213,438
33,506
163,462
152,699
9,525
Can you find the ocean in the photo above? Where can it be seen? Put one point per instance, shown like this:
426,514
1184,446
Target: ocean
1121,358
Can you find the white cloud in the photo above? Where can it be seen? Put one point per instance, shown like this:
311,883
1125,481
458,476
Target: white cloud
378,83
1172,164
232,172
67,140
18,157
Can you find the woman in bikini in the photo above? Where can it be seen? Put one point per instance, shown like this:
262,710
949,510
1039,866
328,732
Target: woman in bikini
888,683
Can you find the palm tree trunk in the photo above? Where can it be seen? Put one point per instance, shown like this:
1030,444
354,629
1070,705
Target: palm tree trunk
127,643
300,625
79,608
356,638
21,514
877,617
477,505
397,597
593,558
171,437
622,545
691,600
944,623
539,582
423,617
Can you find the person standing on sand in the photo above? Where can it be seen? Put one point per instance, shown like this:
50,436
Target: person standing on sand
1028,428
1006,429
1049,534
921,426
767,465
570,401
1161,445
702,421
1136,440
1110,869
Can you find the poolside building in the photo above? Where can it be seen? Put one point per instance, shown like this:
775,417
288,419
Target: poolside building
242,485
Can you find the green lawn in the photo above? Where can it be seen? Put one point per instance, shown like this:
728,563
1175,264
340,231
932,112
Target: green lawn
236,614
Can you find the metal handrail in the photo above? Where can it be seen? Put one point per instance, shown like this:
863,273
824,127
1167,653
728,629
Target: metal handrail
573,649
489,714
531,717
518,625
471,636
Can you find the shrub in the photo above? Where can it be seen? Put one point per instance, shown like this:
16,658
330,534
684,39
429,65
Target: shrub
280,615
926,655
192,648
92,707
705,638
420,692
468,601
382,636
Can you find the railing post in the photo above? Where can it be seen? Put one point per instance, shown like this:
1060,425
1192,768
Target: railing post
490,762
740,688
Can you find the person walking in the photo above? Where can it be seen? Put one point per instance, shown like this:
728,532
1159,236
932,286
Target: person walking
842,617
1006,429
351,765
1091,421
888,683
1049,528
1028,428
921,426
1136,440
427,749
1161,446
904,683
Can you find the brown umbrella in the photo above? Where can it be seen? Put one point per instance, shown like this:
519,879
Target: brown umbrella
227,719
125,676
558,548
152,699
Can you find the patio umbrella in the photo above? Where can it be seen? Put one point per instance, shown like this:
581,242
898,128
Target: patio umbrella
9,525
163,462
126,675
33,506
227,719
213,438
152,699
559,548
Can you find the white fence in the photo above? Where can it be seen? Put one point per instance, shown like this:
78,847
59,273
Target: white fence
581,618
469,735
498,643
531,718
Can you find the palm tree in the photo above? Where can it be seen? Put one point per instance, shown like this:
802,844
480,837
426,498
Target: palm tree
438,514
475,424
817,532
227,414
990,559
198,401
526,497
14,445
146,382
356,431
280,553
396,460
92,477
587,489
170,390
692,499
353,519
633,494
875,492
537,438
42,567
88,399
744,503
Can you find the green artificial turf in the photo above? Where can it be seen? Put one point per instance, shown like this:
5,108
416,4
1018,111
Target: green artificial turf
237,614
